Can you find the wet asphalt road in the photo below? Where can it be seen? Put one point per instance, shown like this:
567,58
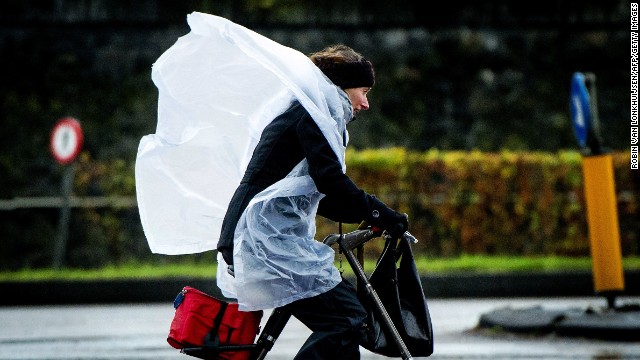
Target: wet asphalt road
110,332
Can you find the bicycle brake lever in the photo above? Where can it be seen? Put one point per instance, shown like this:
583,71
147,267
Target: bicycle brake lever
407,235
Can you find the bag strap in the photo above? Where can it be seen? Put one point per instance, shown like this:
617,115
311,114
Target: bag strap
404,250
213,340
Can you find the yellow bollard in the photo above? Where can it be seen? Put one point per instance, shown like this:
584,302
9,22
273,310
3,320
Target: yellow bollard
599,185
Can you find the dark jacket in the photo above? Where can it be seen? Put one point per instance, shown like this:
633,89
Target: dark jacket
286,141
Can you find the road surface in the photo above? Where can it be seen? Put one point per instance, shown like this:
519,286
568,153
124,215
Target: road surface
138,331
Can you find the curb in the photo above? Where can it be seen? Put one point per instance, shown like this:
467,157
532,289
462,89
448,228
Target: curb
619,324
555,284
55,292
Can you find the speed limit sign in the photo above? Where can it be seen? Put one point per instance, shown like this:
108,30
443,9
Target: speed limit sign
66,140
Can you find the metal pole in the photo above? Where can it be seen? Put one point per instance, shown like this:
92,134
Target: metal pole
602,211
65,216
604,236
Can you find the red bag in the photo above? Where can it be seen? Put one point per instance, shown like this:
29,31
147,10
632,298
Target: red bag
200,319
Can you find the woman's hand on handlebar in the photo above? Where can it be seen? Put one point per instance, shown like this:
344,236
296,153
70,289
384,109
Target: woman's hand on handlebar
400,227
387,219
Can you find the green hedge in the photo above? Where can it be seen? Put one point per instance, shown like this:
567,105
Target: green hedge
519,203
508,203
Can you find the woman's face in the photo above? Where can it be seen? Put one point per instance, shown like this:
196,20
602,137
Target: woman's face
358,97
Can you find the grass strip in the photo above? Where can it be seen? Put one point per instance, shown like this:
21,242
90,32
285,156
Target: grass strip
425,265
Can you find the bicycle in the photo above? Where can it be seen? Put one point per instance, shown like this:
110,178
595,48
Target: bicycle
279,317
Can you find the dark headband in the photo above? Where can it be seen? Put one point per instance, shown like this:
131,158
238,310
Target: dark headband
350,74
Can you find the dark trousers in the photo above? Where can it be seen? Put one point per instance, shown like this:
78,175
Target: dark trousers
336,319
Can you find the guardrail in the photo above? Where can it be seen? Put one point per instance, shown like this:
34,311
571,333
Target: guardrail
59,201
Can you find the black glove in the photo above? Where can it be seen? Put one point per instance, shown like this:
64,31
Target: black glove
400,227
380,215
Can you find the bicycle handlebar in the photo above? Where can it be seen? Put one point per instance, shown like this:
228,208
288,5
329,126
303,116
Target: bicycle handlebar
352,239
356,238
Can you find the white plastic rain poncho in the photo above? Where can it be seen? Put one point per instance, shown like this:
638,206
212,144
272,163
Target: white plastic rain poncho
219,86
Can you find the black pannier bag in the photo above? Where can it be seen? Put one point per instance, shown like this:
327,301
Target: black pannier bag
400,291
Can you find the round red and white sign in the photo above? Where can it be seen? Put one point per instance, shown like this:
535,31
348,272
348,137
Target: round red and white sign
66,140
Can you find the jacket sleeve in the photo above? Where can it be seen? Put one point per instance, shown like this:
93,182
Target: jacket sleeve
343,200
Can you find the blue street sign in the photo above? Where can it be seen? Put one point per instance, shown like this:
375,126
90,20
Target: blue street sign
580,109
